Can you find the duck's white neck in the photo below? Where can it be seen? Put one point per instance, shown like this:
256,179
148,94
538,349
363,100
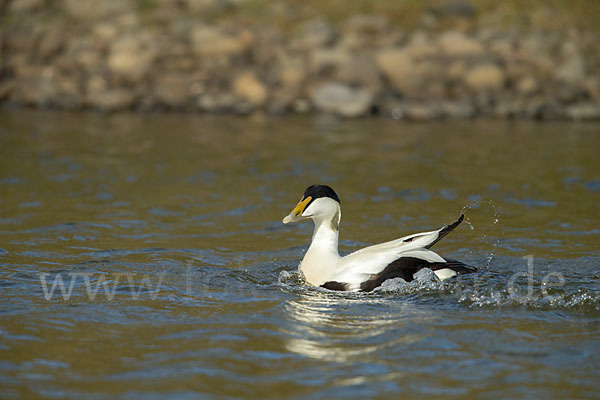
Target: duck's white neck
325,238
321,258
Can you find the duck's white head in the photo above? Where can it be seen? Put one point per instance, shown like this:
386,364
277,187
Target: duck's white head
320,203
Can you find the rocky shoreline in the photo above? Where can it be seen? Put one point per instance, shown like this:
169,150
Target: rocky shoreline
84,54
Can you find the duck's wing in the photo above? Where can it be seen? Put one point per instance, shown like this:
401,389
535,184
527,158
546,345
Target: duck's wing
415,241
362,266
367,268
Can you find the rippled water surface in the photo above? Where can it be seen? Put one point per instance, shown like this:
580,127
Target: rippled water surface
144,257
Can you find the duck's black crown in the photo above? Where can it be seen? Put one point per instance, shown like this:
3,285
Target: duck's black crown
318,191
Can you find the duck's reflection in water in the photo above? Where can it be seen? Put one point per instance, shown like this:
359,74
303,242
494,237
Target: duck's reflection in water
351,327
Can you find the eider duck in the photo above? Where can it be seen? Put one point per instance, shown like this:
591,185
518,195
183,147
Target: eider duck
368,268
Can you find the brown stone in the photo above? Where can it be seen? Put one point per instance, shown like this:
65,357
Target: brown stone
50,43
322,60
172,89
485,77
208,41
250,88
22,6
457,44
398,67
131,57
527,85
421,46
360,70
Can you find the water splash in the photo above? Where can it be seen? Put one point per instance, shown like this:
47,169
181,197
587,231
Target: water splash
425,280
582,299
492,210
291,278
483,290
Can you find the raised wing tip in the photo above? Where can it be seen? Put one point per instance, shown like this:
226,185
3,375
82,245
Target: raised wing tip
446,230
456,223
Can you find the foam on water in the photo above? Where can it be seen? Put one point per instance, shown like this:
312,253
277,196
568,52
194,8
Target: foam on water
482,289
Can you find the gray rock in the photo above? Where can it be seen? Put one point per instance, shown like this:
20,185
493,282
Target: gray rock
243,107
543,109
22,6
217,102
301,106
200,6
572,70
508,108
173,90
457,109
112,100
366,24
323,61
568,94
360,70
584,111
80,53
456,8
281,101
46,87
415,111
314,34
96,10
341,99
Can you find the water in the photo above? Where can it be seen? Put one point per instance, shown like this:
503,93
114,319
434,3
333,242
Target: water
183,277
